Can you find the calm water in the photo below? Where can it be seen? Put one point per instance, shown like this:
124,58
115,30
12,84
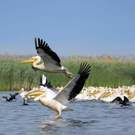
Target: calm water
88,118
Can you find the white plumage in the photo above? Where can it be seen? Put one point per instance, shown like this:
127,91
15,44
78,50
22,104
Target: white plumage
58,102
47,60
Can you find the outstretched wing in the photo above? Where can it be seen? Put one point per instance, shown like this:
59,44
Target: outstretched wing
46,53
73,88
126,101
117,100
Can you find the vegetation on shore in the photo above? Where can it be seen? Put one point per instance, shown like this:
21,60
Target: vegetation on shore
106,71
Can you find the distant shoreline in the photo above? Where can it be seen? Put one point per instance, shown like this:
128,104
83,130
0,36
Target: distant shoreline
102,57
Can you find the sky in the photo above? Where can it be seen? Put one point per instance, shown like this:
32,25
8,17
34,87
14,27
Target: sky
70,27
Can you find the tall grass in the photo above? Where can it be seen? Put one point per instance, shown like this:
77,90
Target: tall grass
104,72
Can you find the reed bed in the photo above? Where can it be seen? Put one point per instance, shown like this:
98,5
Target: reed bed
105,71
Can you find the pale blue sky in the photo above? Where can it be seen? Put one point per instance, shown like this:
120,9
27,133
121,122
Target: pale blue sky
71,27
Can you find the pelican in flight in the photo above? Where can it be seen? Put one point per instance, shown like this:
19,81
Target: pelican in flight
58,102
47,60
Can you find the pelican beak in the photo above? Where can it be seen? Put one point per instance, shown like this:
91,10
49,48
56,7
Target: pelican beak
35,94
29,61
37,98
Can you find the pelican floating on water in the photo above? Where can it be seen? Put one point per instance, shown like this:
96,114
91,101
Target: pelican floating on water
58,102
47,60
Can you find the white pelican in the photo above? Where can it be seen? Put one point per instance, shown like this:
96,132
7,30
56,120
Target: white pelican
45,86
71,90
47,60
23,94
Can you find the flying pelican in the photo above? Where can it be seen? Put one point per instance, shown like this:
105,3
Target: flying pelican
46,60
58,102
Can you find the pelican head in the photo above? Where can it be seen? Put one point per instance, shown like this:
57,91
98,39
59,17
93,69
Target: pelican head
32,60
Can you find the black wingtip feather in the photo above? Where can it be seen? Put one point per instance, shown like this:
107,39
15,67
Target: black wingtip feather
83,72
35,42
85,69
41,44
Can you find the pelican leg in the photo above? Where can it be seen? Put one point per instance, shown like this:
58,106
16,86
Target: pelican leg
68,74
58,116
25,101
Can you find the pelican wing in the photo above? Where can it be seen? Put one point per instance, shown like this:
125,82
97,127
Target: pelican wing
117,100
75,85
46,53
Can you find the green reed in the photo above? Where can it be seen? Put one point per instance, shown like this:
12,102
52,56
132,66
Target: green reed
15,75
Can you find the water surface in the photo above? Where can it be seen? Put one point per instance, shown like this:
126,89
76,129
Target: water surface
88,118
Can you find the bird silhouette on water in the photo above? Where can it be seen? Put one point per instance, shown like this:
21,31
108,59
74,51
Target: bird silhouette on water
11,97
124,102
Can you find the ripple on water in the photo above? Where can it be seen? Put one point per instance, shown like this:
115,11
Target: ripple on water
89,117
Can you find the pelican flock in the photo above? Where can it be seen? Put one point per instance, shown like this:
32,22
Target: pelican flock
48,61
57,100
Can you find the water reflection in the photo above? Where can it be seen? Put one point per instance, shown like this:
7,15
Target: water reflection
56,125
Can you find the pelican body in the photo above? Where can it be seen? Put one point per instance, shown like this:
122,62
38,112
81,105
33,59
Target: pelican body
58,102
54,105
47,60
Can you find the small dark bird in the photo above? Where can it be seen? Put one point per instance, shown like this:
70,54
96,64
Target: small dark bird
124,102
11,98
